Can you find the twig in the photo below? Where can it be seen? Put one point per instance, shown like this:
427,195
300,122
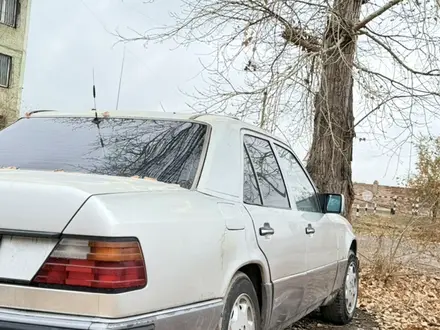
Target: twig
433,324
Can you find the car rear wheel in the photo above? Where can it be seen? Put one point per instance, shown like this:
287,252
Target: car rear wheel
241,310
341,311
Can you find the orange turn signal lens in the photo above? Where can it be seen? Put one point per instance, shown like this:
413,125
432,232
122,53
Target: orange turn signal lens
114,251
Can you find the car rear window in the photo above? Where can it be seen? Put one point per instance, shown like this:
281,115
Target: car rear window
166,150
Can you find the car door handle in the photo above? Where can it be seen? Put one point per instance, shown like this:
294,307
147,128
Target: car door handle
310,229
266,230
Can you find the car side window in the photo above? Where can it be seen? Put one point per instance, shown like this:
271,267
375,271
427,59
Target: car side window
270,180
304,194
251,192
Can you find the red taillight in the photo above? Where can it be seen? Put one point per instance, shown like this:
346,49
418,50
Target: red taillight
101,265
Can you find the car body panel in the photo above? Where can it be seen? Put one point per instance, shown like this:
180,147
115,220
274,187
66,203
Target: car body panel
286,255
308,270
322,258
221,175
45,202
285,250
182,223
193,241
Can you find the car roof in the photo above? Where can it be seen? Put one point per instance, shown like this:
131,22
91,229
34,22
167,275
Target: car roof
211,119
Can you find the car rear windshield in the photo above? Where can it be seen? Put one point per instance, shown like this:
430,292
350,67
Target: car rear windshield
166,150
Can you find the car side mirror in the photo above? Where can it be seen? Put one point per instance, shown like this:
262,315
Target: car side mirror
332,203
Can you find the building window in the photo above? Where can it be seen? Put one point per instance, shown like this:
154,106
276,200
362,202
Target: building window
5,69
8,12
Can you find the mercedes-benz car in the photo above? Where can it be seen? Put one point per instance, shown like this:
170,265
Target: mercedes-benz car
165,221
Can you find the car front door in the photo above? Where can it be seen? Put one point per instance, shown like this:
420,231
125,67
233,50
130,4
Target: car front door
279,232
322,249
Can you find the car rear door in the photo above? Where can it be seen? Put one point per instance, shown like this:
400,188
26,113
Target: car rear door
279,231
322,243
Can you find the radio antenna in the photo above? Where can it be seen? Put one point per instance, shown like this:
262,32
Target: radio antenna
120,79
96,119
94,91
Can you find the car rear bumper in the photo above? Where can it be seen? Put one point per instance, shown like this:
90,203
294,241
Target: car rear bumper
202,316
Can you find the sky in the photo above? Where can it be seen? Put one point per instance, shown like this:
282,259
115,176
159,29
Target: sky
71,39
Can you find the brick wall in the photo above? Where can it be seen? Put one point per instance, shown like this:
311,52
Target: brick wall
383,196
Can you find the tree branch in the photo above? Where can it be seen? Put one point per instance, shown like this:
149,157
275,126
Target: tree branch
295,35
299,37
379,106
377,13
311,44
398,60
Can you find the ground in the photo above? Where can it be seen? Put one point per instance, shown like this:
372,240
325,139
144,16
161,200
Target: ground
362,321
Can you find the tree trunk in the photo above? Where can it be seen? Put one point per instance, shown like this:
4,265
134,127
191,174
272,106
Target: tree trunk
332,147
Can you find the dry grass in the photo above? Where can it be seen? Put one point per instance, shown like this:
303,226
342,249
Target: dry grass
400,280
417,228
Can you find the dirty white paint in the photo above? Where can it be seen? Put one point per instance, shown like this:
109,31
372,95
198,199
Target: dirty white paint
21,257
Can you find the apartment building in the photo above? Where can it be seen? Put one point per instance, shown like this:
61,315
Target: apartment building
14,20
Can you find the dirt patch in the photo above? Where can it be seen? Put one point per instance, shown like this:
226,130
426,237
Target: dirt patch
361,321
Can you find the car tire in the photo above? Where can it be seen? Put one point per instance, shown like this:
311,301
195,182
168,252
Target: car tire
241,305
340,311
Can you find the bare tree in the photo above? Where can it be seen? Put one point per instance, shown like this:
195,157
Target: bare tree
302,65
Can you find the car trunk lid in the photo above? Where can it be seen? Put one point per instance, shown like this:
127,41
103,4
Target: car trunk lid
36,206
44,202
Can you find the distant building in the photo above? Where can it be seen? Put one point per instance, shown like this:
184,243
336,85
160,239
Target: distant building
14,21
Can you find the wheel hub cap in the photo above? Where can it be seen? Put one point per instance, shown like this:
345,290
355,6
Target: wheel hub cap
351,288
242,314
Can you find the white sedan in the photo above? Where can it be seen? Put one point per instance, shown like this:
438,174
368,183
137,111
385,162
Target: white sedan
165,221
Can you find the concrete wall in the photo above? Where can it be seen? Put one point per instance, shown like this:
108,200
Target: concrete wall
13,42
